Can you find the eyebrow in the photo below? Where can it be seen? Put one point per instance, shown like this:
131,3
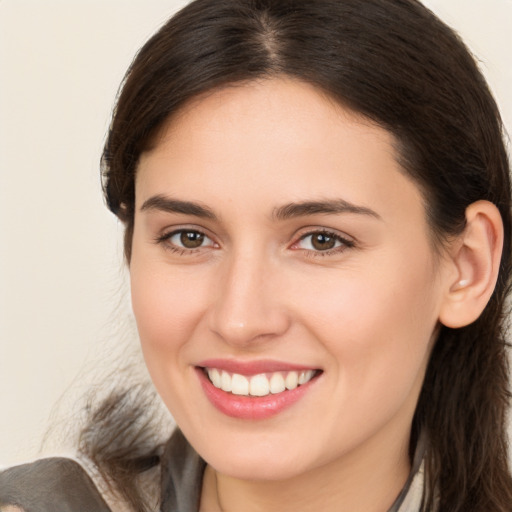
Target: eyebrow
169,205
285,212
328,207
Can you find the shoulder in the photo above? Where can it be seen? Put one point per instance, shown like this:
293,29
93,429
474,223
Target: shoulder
40,485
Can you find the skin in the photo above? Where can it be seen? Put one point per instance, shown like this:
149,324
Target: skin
365,313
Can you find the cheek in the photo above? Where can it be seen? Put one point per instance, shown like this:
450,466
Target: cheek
167,307
377,325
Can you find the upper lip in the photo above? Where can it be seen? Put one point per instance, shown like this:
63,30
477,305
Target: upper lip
253,367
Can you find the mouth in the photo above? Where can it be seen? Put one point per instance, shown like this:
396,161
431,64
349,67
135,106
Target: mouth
255,391
261,384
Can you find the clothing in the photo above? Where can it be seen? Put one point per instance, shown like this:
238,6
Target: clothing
55,484
63,485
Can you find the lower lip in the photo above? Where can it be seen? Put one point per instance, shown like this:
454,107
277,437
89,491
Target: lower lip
251,407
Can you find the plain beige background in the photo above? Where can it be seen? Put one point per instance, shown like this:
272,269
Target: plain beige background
64,307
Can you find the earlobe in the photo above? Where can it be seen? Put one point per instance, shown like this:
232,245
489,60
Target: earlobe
476,258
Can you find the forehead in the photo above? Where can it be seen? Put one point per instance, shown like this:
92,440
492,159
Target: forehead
277,139
294,107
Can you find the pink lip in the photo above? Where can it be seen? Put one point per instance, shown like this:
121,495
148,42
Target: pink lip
248,407
248,368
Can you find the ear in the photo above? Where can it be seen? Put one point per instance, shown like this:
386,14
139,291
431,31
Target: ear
476,258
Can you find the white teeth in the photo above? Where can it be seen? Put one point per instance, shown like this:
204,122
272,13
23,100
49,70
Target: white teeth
239,385
277,384
305,376
258,385
292,380
225,382
215,377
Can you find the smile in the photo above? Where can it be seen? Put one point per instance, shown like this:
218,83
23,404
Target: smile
255,390
259,385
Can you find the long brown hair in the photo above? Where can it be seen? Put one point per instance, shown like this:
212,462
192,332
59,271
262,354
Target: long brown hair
397,64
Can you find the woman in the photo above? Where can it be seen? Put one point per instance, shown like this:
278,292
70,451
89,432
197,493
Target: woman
317,210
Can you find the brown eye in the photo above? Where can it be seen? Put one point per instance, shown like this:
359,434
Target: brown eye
318,242
186,240
323,241
191,239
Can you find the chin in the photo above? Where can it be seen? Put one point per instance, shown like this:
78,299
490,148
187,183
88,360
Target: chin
258,467
255,457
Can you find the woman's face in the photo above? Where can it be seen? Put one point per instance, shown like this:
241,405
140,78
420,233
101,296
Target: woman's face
279,247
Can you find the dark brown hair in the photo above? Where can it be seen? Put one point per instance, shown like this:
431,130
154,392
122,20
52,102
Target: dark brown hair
398,65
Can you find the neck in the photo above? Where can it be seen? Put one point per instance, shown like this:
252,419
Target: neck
367,480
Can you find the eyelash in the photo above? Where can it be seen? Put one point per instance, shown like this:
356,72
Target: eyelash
311,253
345,244
181,251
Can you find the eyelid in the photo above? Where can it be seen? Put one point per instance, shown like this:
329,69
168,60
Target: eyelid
346,241
166,234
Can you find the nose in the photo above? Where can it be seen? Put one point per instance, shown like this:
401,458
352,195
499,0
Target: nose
247,309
